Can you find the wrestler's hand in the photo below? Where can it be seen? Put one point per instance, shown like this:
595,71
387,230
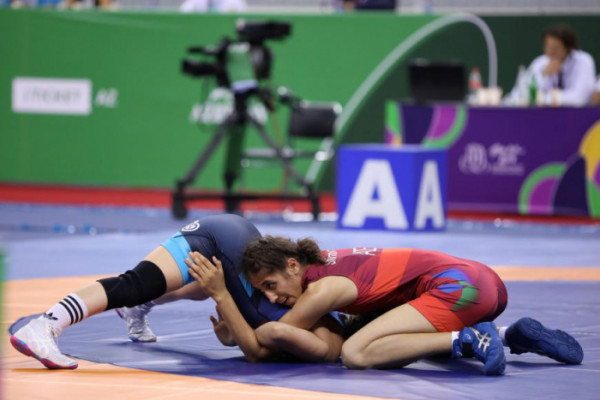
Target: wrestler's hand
221,329
209,276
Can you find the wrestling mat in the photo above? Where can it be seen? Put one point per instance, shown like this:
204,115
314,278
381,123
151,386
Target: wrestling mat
552,274
187,346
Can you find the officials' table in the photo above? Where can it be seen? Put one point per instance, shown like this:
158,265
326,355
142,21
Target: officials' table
526,160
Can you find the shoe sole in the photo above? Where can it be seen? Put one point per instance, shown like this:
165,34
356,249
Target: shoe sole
136,340
22,347
555,344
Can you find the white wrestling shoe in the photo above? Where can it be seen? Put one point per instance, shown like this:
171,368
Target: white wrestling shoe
37,339
137,323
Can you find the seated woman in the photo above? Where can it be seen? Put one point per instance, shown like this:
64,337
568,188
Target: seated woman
430,303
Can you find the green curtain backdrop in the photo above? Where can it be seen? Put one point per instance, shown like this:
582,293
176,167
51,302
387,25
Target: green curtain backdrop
138,131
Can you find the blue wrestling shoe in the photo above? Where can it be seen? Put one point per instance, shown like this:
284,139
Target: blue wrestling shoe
528,335
486,345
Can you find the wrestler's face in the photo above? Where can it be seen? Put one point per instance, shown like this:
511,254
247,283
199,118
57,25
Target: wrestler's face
281,287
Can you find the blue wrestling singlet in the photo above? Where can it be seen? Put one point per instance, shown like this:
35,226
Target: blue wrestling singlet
225,237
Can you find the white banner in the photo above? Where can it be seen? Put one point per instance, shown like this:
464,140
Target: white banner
52,96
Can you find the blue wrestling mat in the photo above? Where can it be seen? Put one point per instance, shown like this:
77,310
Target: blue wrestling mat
79,241
187,346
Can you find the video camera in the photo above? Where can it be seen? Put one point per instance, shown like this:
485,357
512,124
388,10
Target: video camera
257,32
239,64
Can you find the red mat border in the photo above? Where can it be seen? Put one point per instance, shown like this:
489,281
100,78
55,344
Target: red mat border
159,197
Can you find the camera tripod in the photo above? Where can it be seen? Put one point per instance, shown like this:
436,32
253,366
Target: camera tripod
233,127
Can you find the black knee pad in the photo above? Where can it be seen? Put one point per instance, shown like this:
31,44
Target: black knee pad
144,283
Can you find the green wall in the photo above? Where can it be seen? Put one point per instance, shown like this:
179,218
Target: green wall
143,137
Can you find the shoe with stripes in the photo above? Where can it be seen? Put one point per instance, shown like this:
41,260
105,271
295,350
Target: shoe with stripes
528,335
136,319
486,345
37,339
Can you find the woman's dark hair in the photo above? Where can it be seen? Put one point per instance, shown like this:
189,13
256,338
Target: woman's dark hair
564,33
269,254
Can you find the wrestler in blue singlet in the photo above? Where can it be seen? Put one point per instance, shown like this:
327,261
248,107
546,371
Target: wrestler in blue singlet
225,237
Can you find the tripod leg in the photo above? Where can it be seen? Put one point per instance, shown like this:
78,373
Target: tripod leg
287,165
208,151
235,146
290,170
178,207
316,208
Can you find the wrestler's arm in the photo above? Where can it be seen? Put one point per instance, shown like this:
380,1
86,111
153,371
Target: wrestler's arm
310,316
328,294
322,345
292,340
211,279
331,332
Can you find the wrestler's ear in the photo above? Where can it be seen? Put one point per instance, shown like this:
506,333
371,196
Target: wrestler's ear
293,266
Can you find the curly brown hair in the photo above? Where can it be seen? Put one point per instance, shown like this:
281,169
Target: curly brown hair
269,254
565,34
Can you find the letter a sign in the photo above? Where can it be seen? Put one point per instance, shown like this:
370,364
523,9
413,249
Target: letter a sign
376,177
391,188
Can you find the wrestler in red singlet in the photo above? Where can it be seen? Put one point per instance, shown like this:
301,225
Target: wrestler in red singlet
450,292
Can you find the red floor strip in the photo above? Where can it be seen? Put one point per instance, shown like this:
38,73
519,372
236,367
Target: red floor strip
104,196
95,196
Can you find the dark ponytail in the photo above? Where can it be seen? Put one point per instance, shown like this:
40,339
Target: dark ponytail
309,252
269,254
